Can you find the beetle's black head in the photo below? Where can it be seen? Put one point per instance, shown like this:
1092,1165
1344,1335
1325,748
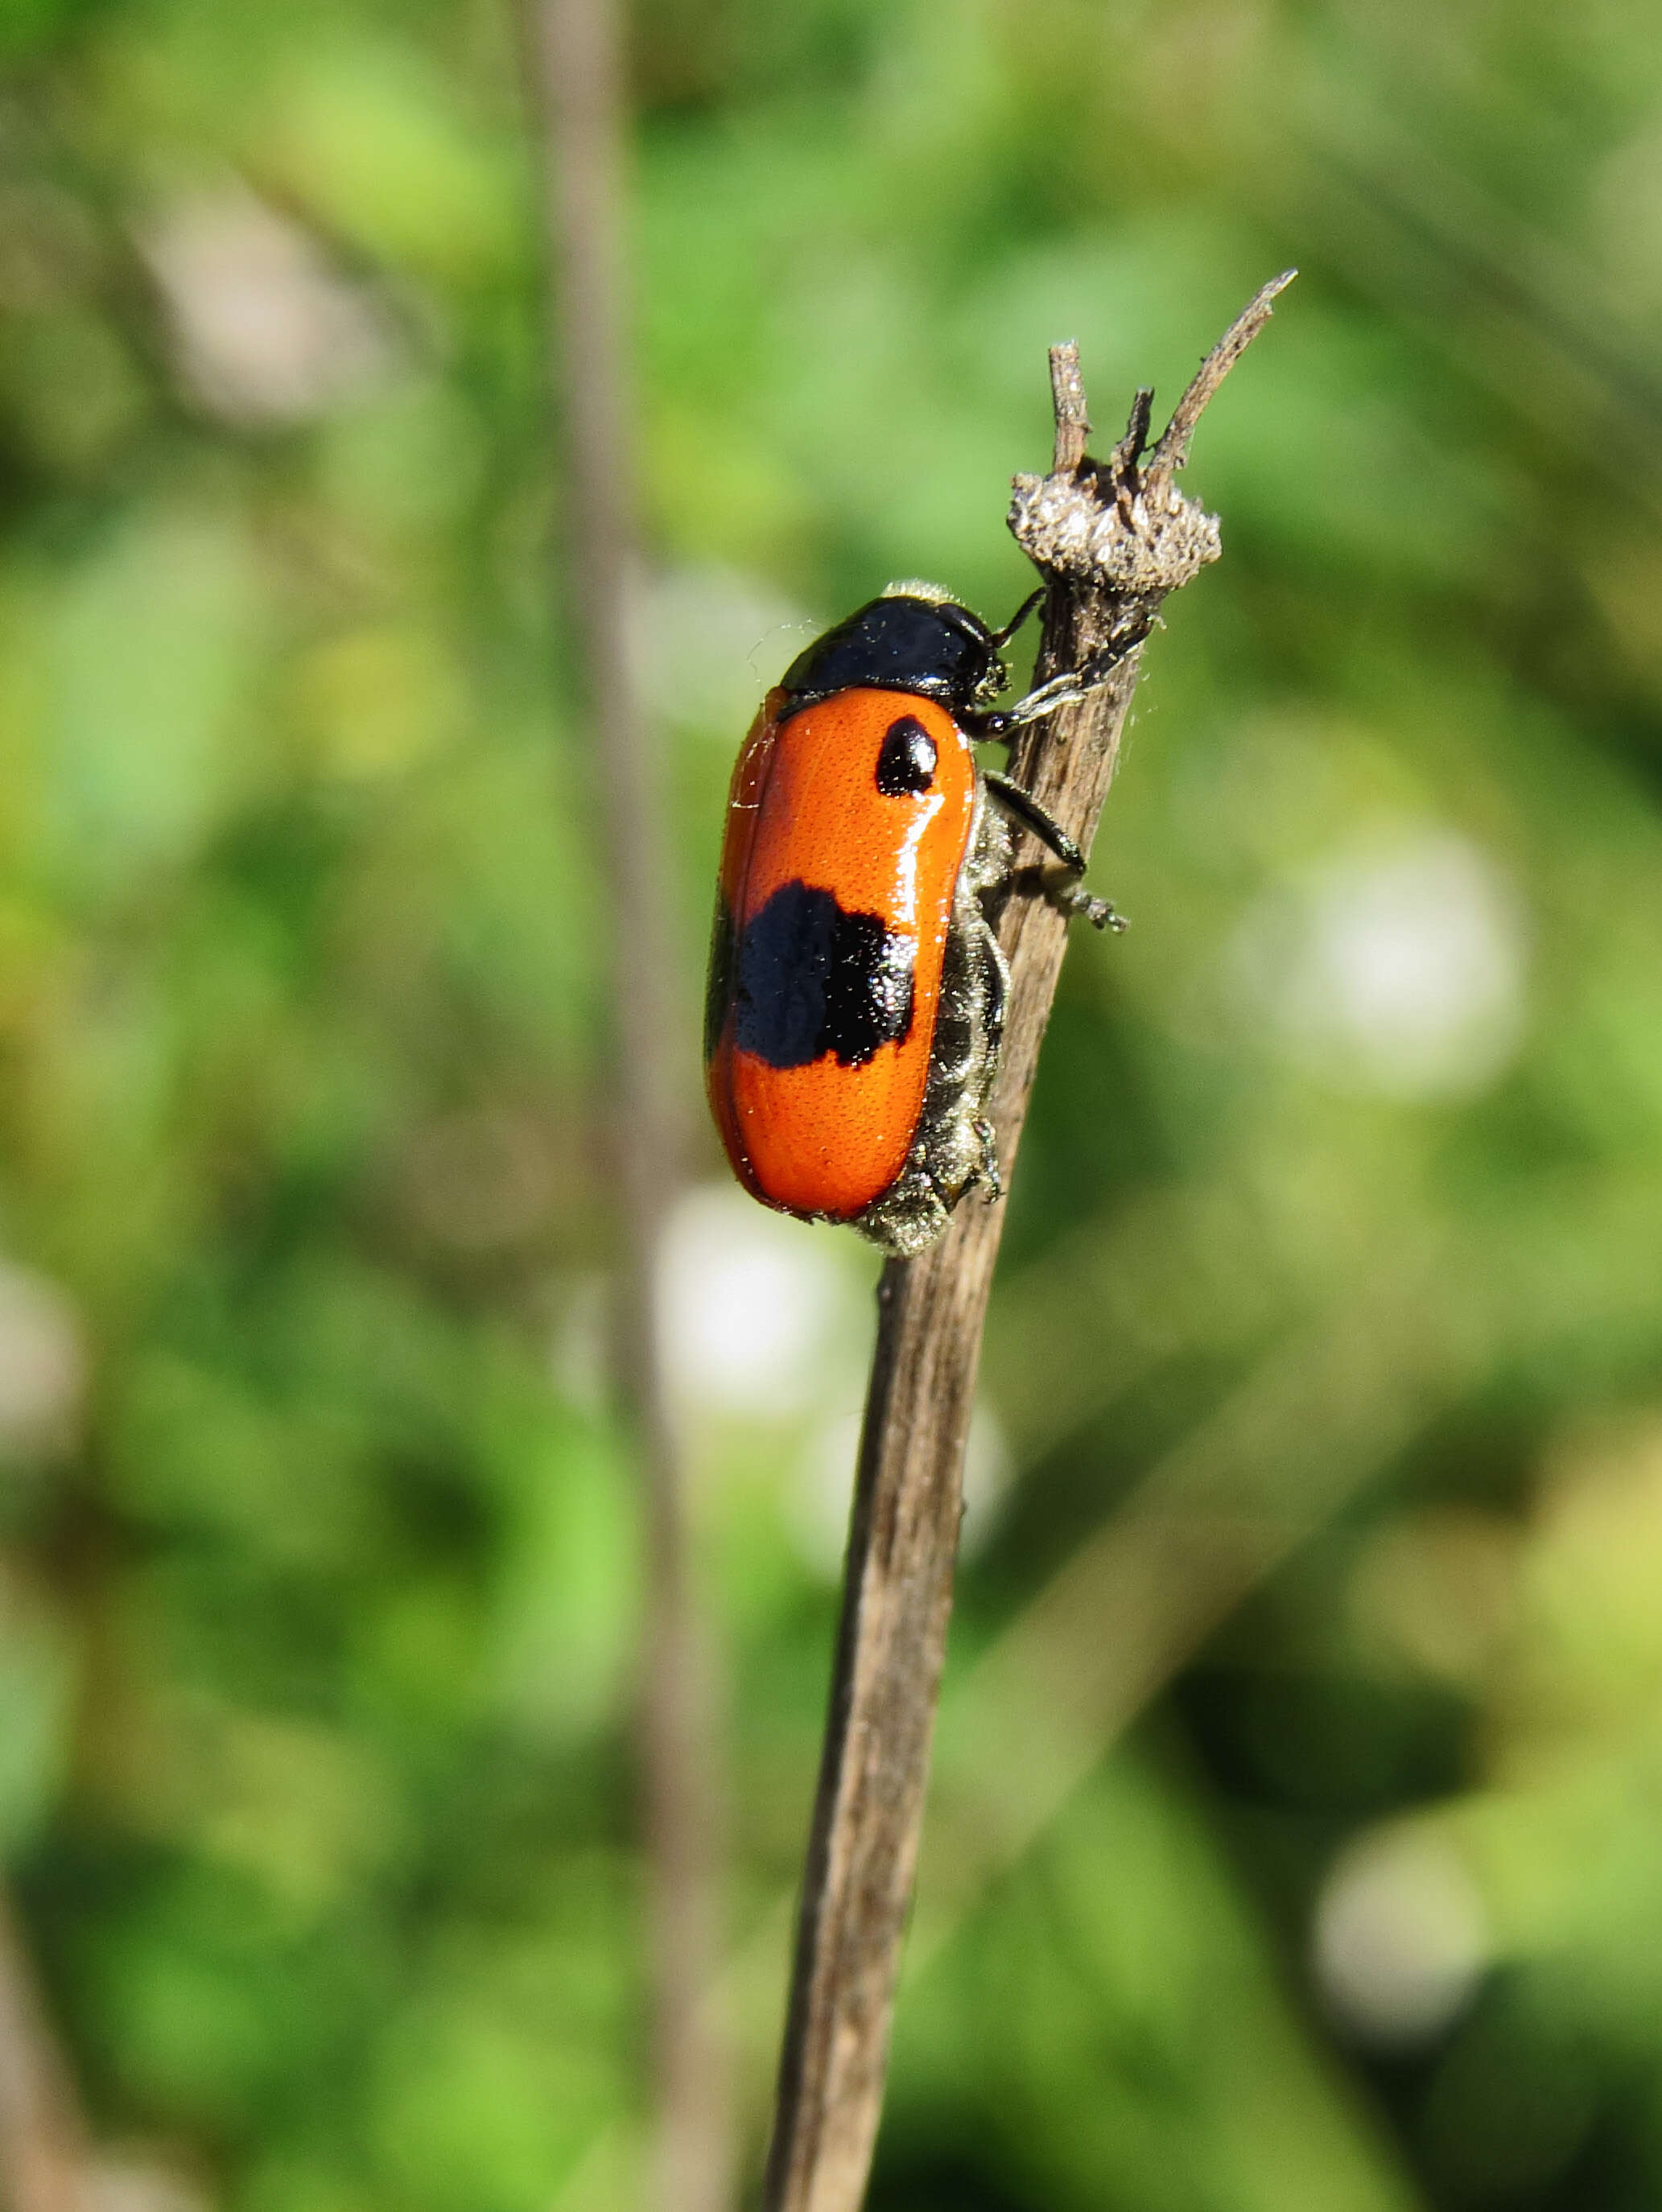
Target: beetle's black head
912,639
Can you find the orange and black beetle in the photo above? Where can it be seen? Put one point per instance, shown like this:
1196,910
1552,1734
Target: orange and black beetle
855,1007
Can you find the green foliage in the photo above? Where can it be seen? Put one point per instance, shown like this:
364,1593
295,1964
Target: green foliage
1336,1227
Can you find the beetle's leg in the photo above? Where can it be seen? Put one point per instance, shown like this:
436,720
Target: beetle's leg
1072,683
1072,898
989,1176
1026,810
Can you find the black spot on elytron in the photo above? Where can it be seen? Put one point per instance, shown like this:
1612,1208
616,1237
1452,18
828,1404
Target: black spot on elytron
905,761
718,990
812,980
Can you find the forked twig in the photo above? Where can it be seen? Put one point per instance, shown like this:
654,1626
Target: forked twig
1111,540
1172,450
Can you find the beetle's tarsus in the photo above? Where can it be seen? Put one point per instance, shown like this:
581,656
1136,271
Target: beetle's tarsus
1073,898
989,1175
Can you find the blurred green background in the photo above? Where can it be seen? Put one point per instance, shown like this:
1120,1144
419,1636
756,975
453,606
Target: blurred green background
1297,1839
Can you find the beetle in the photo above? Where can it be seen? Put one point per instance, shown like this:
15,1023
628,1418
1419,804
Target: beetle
854,1012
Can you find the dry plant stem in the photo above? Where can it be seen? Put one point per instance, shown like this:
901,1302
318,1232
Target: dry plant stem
43,2137
573,49
1111,540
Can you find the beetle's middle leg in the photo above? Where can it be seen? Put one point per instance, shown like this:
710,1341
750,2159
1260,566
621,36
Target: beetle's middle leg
1071,898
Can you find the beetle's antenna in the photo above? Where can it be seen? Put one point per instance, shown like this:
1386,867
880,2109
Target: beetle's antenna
1003,636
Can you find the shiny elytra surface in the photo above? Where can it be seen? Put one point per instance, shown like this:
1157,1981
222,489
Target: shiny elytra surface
805,807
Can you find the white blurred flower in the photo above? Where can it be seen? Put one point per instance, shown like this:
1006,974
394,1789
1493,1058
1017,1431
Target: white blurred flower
1400,1940
580,1342
139,2182
1400,971
43,1364
707,642
758,1312
265,330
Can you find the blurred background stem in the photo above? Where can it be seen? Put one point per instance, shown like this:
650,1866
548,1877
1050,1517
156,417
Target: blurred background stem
43,2145
575,56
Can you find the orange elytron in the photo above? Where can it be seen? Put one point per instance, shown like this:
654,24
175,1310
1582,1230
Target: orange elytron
846,890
